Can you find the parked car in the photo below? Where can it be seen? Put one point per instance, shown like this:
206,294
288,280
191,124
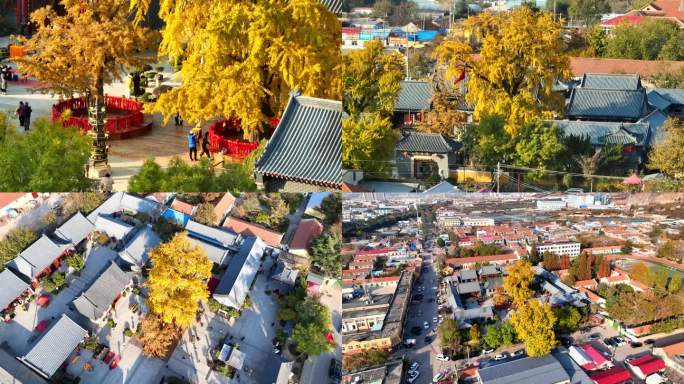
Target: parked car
428,339
487,351
619,341
442,357
414,366
426,325
636,344
519,352
412,376
594,337
649,341
609,342
501,356
434,320
439,377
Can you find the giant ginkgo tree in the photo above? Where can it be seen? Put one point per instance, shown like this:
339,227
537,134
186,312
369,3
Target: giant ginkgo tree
78,51
242,58
521,56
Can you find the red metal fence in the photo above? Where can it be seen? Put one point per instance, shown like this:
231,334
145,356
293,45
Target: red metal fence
113,124
231,147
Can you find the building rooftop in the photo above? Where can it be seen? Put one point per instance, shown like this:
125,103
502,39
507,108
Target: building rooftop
246,228
113,227
75,230
426,143
306,145
241,271
538,370
606,103
48,354
413,96
219,237
611,81
97,299
307,230
137,250
37,256
607,133
12,287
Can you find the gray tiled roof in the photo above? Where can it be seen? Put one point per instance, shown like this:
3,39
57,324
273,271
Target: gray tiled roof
442,187
306,146
427,143
539,370
610,81
675,96
11,287
120,201
136,251
655,121
472,287
95,301
216,254
55,346
113,227
467,274
220,237
238,278
657,100
607,133
603,103
334,6
413,96
38,256
284,273
75,230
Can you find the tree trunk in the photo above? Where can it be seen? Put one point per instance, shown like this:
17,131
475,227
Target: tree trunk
96,116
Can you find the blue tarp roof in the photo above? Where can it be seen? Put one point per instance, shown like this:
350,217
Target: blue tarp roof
179,217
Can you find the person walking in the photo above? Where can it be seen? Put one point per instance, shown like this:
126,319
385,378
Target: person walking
205,146
192,145
27,116
20,113
106,183
3,81
178,119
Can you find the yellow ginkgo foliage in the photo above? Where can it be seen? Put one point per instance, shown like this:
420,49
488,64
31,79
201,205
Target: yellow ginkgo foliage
80,51
521,56
178,280
243,58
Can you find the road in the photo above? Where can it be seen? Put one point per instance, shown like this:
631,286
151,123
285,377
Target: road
425,311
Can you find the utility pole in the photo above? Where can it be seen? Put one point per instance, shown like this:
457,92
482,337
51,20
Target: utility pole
498,175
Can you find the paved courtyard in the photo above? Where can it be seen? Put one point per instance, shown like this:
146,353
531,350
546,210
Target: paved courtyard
253,331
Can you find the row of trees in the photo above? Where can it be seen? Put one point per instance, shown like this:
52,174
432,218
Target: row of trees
649,40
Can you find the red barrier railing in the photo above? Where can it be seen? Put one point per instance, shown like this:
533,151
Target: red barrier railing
218,142
113,124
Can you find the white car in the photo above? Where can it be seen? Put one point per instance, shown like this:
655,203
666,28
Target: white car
426,325
487,350
438,377
442,357
434,320
414,366
412,376
501,356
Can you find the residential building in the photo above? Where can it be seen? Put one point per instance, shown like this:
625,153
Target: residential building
39,259
115,229
55,347
75,230
12,289
646,365
391,332
136,252
285,273
96,301
555,368
671,350
470,262
669,10
245,228
240,273
223,207
477,221
304,152
569,248
611,376
307,230
124,202
413,100
551,205
423,155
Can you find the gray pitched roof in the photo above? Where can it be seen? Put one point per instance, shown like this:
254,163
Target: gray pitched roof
120,201
284,273
218,255
427,143
306,145
113,227
95,301
472,287
220,237
11,287
55,346
136,251
238,278
655,121
539,370
607,133
606,103
442,187
467,274
413,96
673,95
38,256
657,100
611,81
75,230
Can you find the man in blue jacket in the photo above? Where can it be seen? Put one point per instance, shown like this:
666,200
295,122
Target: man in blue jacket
192,145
